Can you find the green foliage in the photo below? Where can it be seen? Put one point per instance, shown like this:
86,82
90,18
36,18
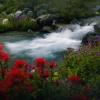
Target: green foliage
85,62
69,8
26,24
19,25
76,78
6,27
13,5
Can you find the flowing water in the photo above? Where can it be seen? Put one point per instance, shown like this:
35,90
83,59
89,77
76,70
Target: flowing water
50,45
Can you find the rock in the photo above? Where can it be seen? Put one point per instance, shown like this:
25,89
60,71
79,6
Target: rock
97,27
18,14
75,21
91,38
26,10
41,12
11,15
98,8
30,31
23,16
33,20
30,13
47,19
5,21
46,29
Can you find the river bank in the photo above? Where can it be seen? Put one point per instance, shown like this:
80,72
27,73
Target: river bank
44,17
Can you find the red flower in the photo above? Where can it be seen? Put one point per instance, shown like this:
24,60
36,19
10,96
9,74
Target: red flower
16,76
21,64
74,79
1,47
42,72
53,64
40,62
46,74
4,56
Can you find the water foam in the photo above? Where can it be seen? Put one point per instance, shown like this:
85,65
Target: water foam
70,37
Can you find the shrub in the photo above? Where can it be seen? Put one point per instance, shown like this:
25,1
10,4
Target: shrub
6,27
19,25
25,24
76,78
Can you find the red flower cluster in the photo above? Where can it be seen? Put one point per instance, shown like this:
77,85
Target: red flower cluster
53,64
40,62
21,76
42,67
74,79
21,64
3,55
13,78
16,78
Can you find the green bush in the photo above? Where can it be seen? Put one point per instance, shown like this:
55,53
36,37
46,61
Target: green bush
25,24
76,78
85,62
19,25
6,27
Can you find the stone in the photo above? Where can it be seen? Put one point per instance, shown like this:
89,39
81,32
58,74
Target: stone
18,14
5,21
91,38
30,13
97,27
46,29
47,19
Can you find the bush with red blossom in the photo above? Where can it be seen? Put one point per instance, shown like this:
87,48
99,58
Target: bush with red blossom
45,80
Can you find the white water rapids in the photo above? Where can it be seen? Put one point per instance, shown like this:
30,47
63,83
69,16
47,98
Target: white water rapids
70,37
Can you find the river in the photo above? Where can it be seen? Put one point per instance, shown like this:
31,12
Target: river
50,45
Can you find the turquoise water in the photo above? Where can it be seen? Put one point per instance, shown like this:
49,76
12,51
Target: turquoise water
51,46
21,36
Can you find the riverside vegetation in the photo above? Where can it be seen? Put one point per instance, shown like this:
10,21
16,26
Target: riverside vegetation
77,77
33,14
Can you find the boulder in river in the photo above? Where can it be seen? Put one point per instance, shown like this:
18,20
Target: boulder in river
47,29
91,38
97,27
